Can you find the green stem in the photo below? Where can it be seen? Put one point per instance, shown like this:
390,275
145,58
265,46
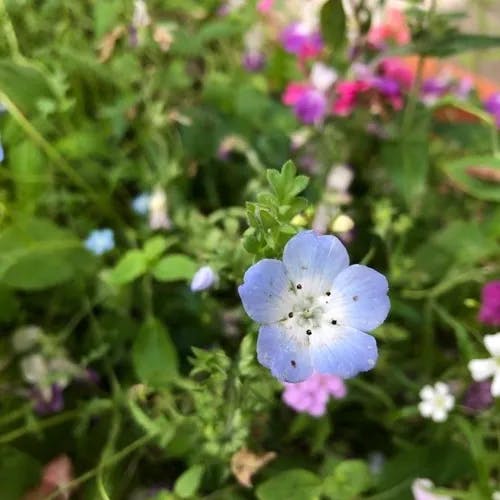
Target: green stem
44,424
117,457
10,33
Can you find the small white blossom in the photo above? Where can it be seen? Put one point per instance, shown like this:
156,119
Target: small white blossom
481,369
422,490
25,338
158,215
204,278
496,495
436,402
140,18
322,76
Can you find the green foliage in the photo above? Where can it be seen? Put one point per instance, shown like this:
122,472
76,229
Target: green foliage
294,484
333,24
189,481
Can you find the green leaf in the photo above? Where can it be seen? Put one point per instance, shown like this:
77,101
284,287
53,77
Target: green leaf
175,267
18,471
132,265
189,481
293,484
153,355
455,43
36,254
333,23
349,479
155,246
478,176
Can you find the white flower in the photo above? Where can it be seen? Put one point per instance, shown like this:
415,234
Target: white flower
254,38
481,369
204,278
340,178
422,490
140,18
34,368
322,76
436,402
26,337
496,495
158,216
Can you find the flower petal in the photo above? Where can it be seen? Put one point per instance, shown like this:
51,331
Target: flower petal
359,298
426,408
314,260
439,415
492,343
495,386
284,353
265,291
481,369
427,393
342,351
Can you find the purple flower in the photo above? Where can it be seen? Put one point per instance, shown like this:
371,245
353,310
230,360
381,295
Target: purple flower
45,405
478,396
314,309
311,106
433,89
254,61
492,105
204,278
489,313
312,395
299,39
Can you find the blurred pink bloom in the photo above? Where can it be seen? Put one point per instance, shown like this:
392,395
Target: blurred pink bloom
301,40
312,395
394,29
397,70
422,490
347,95
264,6
489,313
57,474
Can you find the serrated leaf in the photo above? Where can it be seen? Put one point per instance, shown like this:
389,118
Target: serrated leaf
154,355
175,267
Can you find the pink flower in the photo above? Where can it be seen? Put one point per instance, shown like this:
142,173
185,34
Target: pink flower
347,96
397,70
394,29
265,6
300,39
489,313
312,395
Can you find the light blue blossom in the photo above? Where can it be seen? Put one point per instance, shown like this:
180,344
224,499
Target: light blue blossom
204,278
140,204
314,309
100,241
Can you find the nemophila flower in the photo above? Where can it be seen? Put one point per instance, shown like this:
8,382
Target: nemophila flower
314,309
482,369
422,489
140,204
312,395
158,210
309,99
489,313
204,278
100,241
478,396
436,402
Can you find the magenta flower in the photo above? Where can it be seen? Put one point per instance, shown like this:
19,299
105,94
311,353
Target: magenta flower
489,313
347,96
397,70
301,40
492,105
312,395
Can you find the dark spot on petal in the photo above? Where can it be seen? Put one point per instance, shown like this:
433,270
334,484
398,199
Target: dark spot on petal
290,314
299,286
355,298
328,294
334,321
293,363
309,332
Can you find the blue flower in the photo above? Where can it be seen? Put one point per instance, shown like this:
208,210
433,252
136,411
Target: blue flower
314,309
140,204
204,278
100,241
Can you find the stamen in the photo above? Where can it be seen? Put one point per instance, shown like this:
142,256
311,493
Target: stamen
355,298
290,314
293,363
308,332
299,286
328,294
334,321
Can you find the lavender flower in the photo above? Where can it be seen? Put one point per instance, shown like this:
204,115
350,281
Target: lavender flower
204,278
492,105
312,395
254,61
46,404
311,106
478,396
489,313
100,241
302,40
314,309
253,58
2,153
